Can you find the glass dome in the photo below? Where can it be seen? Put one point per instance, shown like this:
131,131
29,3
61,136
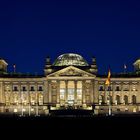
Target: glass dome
70,59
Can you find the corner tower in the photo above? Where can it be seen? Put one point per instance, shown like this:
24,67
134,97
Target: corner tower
3,66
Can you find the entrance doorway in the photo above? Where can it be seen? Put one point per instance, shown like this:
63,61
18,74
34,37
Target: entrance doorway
70,96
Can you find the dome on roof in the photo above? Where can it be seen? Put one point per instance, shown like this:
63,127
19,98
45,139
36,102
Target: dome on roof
137,65
70,59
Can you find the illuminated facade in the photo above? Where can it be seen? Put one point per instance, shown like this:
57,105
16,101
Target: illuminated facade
70,82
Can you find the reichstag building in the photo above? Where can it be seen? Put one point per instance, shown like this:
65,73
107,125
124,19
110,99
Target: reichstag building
69,82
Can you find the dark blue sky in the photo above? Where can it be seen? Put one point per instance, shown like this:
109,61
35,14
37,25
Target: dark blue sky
32,30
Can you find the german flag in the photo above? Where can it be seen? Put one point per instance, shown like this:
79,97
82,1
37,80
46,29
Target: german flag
108,78
14,66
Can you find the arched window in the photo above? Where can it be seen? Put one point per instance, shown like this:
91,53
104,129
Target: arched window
103,99
111,100
126,99
134,100
117,88
109,88
118,99
101,88
62,90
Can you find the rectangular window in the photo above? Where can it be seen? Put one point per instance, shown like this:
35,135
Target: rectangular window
79,94
32,88
40,88
117,88
70,94
15,88
62,94
24,88
101,88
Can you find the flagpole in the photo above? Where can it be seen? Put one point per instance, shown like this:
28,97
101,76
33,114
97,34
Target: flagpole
125,68
14,66
109,111
108,93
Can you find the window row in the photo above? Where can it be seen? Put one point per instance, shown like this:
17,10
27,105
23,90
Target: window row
117,88
118,99
24,88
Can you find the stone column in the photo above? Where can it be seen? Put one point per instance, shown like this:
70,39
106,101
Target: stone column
106,93
58,92
96,92
19,97
66,96
130,95
45,92
138,96
75,92
28,90
1,93
122,95
83,92
49,95
91,91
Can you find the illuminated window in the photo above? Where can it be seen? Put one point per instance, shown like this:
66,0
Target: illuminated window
118,100
134,88
126,88
126,99
79,90
15,110
40,99
134,99
79,94
62,94
71,91
62,90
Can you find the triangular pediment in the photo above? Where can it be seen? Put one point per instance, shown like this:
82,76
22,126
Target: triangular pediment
71,71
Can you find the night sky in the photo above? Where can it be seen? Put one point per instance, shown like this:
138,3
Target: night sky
32,30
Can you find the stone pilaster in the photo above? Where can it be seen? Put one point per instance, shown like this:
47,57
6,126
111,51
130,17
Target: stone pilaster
58,92
83,92
92,91
75,92
96,92
50,95
66,96
2,99
46,92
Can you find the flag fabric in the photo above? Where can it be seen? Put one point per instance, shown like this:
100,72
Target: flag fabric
125,67
108,78
14,66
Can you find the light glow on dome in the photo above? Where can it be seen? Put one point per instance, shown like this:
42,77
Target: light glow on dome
70,59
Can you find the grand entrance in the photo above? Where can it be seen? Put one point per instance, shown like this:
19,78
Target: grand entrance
71,96
71,93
